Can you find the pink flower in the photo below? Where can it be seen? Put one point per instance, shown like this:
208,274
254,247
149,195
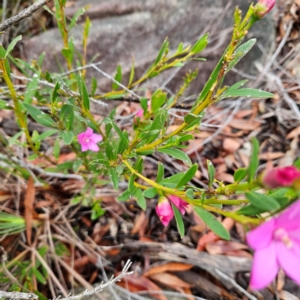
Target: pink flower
179,203
277,245
88,140
140,112
280,177
263,7
164,211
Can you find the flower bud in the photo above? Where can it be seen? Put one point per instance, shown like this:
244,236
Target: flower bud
280,177
179,203
263,7
164,211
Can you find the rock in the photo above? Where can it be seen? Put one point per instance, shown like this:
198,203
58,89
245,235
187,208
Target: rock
133,28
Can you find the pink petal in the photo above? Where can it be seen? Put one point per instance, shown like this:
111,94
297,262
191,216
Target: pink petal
139,113
261,236
289,259
96,138
264,267
80,137
93,147
89,132
84,147
289,218
179,203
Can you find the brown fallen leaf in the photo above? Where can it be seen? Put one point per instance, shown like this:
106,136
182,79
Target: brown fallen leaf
140,221
271,155
295,132
222,247
171,266
169,280
244,124
136,283
211,236
230,145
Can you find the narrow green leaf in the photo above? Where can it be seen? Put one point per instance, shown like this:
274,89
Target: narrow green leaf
79,12
211,221
240,174
163,50
31,89
188,175
158,100
47,133
262,201
83,92
131,76
114,178
160,172
67,137
5,105
12,45
250,210
253,165
54,92
121,134
249,93
240,52
172,180
200,44
140,199
118,78
211,173
176,153
39,116
179,221
39,275
150,192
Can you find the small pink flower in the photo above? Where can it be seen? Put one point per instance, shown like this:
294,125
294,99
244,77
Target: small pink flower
88,140
179,203
277,245
164,211
263,7
280,177
140,112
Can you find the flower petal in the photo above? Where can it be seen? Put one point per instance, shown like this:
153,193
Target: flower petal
93,147
84,147
289,259
261,236
96,138
264,267
289,218
89,132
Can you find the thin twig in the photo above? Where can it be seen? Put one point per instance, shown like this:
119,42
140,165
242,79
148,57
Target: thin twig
23,14
251,297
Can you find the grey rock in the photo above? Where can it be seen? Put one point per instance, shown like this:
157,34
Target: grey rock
133,28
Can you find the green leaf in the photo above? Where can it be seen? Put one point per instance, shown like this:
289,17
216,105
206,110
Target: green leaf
210,82
240,174
140,199
122,136
12,45
160,172
39,116
158,100
56,148
249,93
250,210
150,192
172,180
131,76
297,163
114,178
100,162
31,89
67,137
54,92
13,140
211,173
179,221
163,50
211,221
200,44
253,165
262,201
79,12
5,105
118,78
176,153
39,275
110,152
83,92
188,175
190,194
240,52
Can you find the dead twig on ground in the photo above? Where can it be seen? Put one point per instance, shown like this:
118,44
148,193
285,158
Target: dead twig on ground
23,14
